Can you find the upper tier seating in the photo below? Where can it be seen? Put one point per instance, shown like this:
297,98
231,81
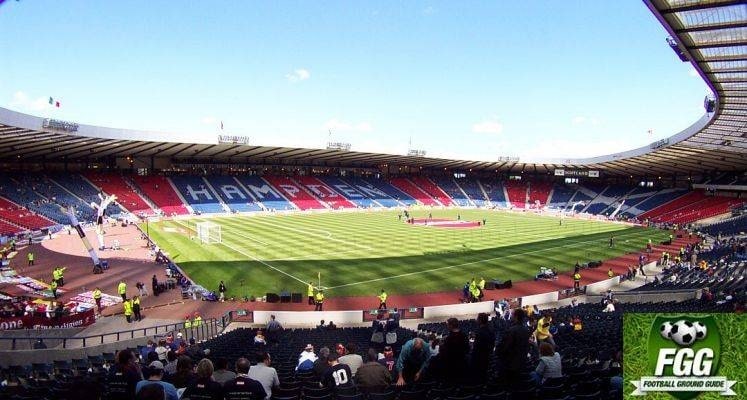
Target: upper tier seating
81,188
473,191
231,192
414,191
432,189
731,226
647,199
539,193
265,193
495,192
380,191
349,191
324,192
198,194
451,188
561,194
294,192
28,191
691,207
517,193
161,193
126,197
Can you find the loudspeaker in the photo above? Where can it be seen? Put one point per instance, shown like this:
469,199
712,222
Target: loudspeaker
272,298
505,285
285,298
296,297
490,285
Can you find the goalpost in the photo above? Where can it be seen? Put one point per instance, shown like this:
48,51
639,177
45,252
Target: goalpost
208,233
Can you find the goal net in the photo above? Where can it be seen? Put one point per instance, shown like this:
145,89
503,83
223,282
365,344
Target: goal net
208,232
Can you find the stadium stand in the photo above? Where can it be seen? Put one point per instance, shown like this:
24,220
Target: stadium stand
159,190
114,184
22,217
427,185
474,193
495,192
269,197
517,193
539,193
730,226
450,187
380,191
198,194
407,186
80,187
349,192
691,207
232,194
646,200
295,192
561,195
40,196
324,192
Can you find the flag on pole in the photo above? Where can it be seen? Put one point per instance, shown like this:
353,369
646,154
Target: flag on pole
221,125
53,102
57,104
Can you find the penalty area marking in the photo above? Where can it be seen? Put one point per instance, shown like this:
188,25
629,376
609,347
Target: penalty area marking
250,256
577,244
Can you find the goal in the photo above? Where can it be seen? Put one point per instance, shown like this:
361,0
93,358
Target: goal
208,232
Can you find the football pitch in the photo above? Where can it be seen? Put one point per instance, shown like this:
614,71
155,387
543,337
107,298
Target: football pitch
359,253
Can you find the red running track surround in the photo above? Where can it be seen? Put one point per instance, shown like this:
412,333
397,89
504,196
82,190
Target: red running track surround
324,192
20,216
161,193
517,193
126,197
433,190
414,191
294,192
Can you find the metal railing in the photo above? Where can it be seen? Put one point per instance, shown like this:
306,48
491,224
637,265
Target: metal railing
207,329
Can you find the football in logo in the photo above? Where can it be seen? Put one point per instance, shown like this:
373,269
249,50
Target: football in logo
700,330
666,330
683,333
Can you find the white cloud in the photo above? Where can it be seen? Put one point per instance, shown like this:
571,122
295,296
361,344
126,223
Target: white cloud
545,150
335,124
21,101
490,126
298,75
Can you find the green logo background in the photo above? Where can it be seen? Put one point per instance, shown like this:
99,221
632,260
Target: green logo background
656,342
733,359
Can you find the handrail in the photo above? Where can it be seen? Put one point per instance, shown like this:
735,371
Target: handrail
208,329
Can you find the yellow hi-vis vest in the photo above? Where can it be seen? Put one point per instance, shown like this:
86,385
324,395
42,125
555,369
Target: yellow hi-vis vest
122,288
96,294
187,323
320,297
127,307
310,291
576,277
382,297
197,321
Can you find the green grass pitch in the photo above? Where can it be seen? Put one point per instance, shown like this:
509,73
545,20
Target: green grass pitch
358,253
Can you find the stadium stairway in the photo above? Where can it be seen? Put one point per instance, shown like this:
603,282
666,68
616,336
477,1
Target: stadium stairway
560,196
539,193
295,192
270,198
475,194
643,200
349,192
161,193
455,192
517,193
198,194
379,191
324,193
438,194
114,184
495,192
233,194
412,190
80,187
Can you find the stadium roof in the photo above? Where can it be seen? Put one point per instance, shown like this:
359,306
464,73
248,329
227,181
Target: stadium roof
711,34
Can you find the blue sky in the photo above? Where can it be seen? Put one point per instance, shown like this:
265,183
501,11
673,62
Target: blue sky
468,80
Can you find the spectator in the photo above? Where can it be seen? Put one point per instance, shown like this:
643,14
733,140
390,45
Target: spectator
331,326
184,375
273,330
170,367
514,347
264,373
40,345
155,378
152,356
482,349
452,356
321,326
243,387
306,359
162,350
387,360
194,351
549,364
259,338
204,387
151,346
320,365
351,359
609,307
372,374
123,377
151,392
221,373
434,343
338,375
412,362
542,333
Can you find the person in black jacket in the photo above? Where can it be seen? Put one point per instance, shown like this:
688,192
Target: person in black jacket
452,354
482,349
514,347
243,387
204,387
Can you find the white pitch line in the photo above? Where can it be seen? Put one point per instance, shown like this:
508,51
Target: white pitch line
577,244
251,256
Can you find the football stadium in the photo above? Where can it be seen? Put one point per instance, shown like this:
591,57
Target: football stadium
277,261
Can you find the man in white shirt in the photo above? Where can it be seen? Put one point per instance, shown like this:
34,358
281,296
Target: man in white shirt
351,359
264,373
